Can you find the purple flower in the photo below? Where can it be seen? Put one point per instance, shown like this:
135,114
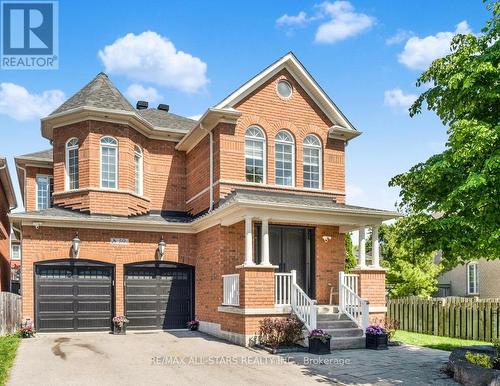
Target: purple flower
375,330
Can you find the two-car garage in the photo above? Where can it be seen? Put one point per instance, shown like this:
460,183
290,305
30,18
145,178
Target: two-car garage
79,295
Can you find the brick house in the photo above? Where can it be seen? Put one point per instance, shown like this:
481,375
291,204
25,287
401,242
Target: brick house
229,219
7,203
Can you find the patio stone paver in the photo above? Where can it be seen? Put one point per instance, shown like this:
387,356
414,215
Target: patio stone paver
402,365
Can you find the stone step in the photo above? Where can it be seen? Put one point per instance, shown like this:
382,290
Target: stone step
327,309
344,332
335,324
347,343
331,317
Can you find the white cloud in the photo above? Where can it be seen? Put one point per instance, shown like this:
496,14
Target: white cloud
398,99
419,53
299,20
138,92
18,103
152,58
398,37
343,22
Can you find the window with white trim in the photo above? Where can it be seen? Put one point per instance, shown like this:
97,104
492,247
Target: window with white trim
284,159
139,167
72,164
44,190
15,252
109,163
255,155
312,162
472,279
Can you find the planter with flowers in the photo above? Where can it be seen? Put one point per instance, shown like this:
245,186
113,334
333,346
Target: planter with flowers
319,342
376,338
120,325
26,329
193,325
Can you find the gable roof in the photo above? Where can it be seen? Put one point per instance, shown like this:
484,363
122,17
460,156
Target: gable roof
306,81
100,92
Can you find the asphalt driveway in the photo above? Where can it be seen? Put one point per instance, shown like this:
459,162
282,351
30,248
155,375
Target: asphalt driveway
179,358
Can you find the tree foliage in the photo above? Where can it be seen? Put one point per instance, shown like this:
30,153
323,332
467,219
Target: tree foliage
411,272
350,259
453,199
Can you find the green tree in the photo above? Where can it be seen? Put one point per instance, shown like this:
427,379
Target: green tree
411,272
453,199
350,259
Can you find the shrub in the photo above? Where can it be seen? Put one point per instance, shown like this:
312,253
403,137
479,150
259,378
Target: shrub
391,326
483,360
280,331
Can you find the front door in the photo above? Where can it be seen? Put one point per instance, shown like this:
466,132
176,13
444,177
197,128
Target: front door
291,248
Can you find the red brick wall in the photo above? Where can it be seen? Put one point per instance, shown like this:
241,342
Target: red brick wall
31,173
371,286
198,176
4,242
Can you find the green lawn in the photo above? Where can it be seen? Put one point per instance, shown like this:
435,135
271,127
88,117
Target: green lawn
8,348
431,341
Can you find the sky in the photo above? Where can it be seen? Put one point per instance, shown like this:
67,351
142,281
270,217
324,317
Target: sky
366,55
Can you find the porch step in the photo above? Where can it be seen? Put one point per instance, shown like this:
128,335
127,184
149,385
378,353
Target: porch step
332,317
344,332
335,324
347,343
327,309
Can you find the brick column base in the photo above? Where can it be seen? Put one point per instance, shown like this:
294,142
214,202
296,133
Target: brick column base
371,286
257,287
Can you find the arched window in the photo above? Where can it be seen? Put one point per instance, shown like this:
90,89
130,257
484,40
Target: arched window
109,163
312,162
284,163
72,163
472,279
255,155
139,167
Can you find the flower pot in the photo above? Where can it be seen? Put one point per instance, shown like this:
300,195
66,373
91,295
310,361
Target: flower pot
319,346
376,342
117,330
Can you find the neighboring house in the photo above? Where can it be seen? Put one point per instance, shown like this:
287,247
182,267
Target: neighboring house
7,203
477,278
144,213
15,263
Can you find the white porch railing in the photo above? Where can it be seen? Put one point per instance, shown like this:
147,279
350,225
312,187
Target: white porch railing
351,280
231,290
351,304
302,305
282,289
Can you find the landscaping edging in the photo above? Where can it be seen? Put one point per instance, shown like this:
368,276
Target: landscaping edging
469,374
282,350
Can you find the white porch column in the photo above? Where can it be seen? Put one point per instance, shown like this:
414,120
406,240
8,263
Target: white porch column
248,242
362,247
375,246
265,242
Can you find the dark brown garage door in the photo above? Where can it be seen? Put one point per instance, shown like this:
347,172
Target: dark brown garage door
158,295
73,296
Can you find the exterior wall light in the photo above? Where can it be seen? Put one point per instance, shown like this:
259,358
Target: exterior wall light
75,245
327,238
161,248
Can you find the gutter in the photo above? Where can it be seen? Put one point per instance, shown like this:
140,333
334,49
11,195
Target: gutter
9,182
211,140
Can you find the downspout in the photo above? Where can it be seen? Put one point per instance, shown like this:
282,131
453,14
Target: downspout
211,186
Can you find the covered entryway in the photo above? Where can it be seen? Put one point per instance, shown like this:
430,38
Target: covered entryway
73,295
291,248
159,295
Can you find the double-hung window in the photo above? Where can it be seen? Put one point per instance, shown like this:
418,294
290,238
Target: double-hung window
312,162
44,190
472,279
255,155
139,167
284,157
72,164
109,163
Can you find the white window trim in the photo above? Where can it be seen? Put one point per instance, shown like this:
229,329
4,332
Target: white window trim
49,177
293,156
116,163
476,287
264,152
291,89
12,255
320,185
66,181
138,150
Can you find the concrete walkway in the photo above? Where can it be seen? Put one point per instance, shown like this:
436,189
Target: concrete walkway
180,358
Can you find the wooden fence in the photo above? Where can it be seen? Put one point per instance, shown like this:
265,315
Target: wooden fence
10,313
465,318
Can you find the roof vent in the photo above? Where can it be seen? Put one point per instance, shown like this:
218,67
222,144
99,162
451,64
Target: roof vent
141,105
163,107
